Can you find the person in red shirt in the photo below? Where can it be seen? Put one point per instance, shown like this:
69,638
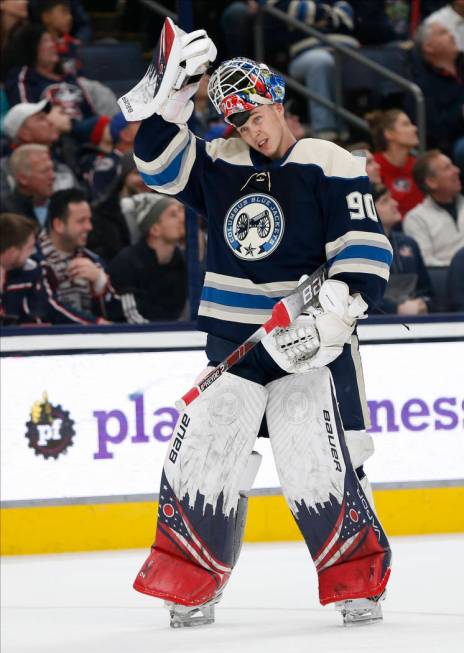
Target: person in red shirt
394,136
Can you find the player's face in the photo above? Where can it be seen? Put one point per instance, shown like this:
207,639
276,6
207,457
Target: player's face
75,230
403,132
266,131
387,209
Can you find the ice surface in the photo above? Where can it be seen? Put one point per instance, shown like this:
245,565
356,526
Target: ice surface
84,603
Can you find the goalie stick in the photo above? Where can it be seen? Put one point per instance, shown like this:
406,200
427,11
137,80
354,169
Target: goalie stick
283,314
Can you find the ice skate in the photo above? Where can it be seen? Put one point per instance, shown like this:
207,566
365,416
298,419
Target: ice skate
185,616
361,611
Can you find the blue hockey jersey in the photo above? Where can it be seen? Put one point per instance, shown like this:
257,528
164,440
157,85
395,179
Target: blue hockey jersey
269,222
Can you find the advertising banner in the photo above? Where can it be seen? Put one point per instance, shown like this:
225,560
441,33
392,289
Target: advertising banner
97,425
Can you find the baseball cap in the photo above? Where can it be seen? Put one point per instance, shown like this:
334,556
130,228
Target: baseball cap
16,116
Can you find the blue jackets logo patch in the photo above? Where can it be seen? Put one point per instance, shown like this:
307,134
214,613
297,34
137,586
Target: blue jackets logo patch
254,227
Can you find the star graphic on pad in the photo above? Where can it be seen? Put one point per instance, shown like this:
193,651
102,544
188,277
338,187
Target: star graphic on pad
249,250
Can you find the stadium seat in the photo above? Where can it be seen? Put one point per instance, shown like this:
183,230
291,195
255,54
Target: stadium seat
112,61
359,79
121,86
438,278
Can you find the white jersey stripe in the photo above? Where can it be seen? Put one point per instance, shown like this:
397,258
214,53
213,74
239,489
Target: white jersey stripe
356,238
360,266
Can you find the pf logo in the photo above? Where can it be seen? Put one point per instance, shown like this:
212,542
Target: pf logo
50,429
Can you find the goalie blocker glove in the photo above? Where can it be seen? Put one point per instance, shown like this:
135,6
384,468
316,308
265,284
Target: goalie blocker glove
173,77
317,338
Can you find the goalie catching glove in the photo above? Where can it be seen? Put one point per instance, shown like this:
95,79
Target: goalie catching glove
316,339
173,77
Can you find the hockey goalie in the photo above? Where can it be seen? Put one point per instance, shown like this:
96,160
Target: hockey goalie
276,210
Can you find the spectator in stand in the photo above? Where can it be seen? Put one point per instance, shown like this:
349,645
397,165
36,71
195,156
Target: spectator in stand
372,167
150,276
394,136
409,289
34,74
101,168
56,17
38,123
13,14
456,282
132,182
74,277
32,171
102,171
437,223
438,69
81,24
133,191
452,17
22,297
315,64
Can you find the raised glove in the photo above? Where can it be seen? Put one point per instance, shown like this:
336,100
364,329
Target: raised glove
172,78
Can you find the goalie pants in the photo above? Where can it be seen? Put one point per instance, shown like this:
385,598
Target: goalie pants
202,509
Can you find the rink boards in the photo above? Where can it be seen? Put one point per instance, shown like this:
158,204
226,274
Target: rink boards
86,418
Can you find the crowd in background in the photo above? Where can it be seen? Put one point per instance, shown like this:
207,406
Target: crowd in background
83,240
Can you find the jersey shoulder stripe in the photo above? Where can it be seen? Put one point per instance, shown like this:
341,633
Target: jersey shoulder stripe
170,172
233,151
333,160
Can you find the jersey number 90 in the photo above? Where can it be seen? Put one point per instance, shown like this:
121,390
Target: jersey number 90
361,206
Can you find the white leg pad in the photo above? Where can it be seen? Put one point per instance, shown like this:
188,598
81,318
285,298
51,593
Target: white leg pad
212,442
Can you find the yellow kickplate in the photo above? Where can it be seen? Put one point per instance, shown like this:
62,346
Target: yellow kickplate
91,527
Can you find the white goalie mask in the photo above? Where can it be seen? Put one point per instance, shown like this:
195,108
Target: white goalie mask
239,85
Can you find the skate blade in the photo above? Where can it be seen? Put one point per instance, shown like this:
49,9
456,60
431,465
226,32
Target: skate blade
362,616
361,620
192,619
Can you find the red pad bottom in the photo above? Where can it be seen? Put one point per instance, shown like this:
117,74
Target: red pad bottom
176,579
355,579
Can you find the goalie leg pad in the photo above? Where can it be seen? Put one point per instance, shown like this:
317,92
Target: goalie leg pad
199,519
344,536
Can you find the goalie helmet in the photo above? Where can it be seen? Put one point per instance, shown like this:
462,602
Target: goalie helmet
240,85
